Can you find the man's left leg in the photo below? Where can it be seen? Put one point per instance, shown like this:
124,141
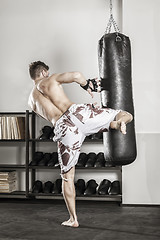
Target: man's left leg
68,190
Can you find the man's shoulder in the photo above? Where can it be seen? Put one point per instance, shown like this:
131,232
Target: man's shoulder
52,80
53,76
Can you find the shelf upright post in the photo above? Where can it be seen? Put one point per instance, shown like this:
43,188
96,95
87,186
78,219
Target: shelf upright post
33,146
27,152
121,187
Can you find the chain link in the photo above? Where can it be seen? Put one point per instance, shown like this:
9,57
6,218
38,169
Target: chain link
111,21
111,7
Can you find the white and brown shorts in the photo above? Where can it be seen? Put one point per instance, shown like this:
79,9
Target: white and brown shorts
79,121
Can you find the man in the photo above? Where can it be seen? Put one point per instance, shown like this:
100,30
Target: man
72,122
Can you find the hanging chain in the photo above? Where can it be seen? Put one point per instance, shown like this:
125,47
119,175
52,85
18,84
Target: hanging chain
111,21
111,7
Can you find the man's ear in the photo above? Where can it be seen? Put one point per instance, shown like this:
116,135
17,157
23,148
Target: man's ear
45,73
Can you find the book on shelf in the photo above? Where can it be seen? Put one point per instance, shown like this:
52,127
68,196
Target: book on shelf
5,184
15,128
8,175
8,119
4,128
12,127
21,127
8,181
8,187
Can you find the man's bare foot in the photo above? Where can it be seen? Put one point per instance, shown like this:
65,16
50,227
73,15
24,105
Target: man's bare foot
70,223
119,125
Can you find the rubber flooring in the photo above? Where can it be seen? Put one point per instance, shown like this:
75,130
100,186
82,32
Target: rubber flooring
41,220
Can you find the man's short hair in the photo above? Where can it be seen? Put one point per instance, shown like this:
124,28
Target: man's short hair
35,69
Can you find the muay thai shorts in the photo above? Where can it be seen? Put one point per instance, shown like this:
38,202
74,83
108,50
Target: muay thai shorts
79,121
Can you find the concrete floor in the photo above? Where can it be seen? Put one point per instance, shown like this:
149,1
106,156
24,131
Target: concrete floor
41,219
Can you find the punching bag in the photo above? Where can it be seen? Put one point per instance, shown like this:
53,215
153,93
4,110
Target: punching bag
114,56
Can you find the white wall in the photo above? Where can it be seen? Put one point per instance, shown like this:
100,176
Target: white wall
65,35
141,23
62,33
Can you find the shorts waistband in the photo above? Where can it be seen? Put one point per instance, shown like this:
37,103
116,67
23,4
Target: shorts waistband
69,109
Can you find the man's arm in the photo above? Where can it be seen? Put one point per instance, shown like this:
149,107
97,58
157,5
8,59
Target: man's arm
70,77
78,77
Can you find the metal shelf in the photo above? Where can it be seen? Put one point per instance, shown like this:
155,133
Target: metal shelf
12,140
50,140
14,113
16,194
109,168
43,167
95,197
12,166
93,141
30,140
81,168
40,140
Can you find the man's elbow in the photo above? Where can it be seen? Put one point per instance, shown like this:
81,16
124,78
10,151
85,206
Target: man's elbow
77,76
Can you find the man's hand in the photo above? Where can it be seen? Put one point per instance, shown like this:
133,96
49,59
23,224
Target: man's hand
93,85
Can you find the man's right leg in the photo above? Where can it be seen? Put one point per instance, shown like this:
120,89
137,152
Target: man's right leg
68,190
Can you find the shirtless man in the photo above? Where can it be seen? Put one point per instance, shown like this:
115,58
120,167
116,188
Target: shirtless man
72,122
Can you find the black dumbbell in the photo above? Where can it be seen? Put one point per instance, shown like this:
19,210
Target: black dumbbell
91,187
100,160
46,132
91,159
82,160
115,188
80,187
36,158
104,187
48,187
37,187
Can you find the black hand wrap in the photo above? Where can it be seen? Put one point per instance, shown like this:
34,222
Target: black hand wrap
95,85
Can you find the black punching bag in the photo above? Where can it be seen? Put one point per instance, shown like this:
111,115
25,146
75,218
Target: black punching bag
114,52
